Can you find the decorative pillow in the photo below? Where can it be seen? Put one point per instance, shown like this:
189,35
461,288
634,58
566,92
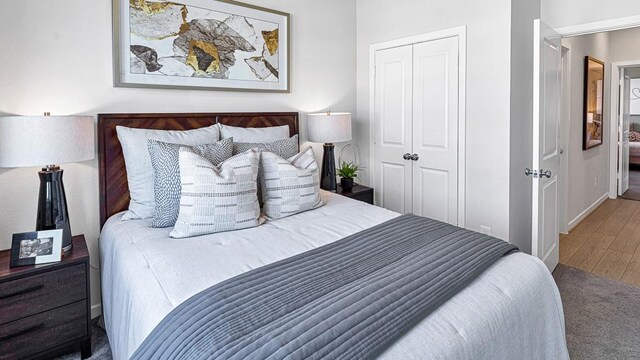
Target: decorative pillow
634,136
166,168
284,148
217,198
290,186
254,135
138,162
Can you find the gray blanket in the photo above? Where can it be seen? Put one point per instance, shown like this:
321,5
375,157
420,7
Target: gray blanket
349,299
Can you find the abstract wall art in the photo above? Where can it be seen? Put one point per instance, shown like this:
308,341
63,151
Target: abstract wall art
200,44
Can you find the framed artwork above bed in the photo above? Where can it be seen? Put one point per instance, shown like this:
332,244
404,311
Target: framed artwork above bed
200,44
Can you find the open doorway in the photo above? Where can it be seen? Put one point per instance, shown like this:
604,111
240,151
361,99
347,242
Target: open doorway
628,132
601,226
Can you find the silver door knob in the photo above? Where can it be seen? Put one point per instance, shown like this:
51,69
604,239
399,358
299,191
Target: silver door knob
406,156
546,174
530,172
414,157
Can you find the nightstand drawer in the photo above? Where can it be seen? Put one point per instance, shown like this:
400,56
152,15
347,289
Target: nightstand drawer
24,297
26,337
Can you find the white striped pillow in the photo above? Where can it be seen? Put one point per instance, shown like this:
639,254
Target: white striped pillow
289,186
217,198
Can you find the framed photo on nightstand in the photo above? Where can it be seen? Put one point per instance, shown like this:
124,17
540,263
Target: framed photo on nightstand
36,247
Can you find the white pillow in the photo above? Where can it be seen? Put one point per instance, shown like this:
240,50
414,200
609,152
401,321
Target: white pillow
289,186
138,162
254,135
217,198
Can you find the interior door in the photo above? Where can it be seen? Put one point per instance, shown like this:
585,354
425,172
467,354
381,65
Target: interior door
435,129
392,128
547,101
623,131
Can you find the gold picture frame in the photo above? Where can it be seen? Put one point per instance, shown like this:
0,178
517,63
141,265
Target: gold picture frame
593,123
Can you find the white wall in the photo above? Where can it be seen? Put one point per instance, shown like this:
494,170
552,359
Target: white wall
521,142
563,13
586,166
488,60
56,56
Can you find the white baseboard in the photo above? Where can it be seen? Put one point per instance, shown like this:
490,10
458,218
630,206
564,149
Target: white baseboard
96,310
583,215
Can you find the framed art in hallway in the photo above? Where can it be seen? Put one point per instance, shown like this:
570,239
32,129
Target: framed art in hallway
593,101
200,44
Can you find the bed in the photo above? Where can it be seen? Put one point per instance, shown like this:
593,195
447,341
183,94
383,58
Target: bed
512,310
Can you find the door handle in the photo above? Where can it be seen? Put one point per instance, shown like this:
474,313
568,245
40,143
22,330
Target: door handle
530,172
406,156
414,157
546,174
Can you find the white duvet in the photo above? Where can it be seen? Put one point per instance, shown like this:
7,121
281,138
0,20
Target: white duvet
512,311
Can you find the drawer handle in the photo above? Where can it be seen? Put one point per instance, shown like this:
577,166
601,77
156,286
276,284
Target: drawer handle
22,332
21,292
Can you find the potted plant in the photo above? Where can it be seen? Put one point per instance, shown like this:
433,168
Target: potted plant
347,172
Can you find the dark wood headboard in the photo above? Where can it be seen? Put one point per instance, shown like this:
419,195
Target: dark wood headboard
114,189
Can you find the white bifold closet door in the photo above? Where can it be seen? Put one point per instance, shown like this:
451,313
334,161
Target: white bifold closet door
416,114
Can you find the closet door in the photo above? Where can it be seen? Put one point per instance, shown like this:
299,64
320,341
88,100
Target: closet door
392,128
435,129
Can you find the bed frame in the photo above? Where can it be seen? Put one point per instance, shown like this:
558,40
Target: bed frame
114,189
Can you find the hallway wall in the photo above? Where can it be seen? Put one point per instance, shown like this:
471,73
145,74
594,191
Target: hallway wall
588,176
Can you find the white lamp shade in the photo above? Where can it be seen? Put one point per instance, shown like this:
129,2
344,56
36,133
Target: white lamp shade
329,127
45,140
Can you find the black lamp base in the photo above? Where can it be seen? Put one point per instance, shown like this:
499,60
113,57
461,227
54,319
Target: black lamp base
52,205
328,175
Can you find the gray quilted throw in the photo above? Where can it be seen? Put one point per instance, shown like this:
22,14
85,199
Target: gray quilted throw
349,299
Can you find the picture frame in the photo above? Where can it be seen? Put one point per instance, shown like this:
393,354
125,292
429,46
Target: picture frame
593,119
36,247
200,44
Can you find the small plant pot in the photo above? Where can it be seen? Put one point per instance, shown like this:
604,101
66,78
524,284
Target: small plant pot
346,183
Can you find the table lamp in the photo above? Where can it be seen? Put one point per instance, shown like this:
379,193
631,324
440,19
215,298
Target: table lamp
328,128
28,141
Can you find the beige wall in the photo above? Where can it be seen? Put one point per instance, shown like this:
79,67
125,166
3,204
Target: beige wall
56,57
586,166
488,85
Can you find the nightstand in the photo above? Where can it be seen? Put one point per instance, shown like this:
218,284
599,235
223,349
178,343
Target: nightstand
359,192
44,309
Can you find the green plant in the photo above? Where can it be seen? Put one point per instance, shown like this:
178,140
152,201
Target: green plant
348,170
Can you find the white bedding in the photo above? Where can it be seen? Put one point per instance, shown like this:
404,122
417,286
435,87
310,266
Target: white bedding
512,311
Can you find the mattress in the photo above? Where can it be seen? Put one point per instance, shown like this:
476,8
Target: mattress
513,310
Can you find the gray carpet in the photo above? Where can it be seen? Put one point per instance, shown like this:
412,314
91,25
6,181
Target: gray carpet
602,316
634,184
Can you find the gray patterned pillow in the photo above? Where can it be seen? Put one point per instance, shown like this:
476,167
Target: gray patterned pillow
166,182
217,198
289,186
285,148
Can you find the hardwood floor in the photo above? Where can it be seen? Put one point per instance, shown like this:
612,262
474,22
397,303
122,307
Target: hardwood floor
607,242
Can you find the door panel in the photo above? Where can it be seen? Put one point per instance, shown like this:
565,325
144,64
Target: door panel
392,128
547,97
393,181
433,201
435,129
623,131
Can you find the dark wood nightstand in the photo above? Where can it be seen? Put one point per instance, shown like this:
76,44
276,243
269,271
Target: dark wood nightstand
359,192
45,309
